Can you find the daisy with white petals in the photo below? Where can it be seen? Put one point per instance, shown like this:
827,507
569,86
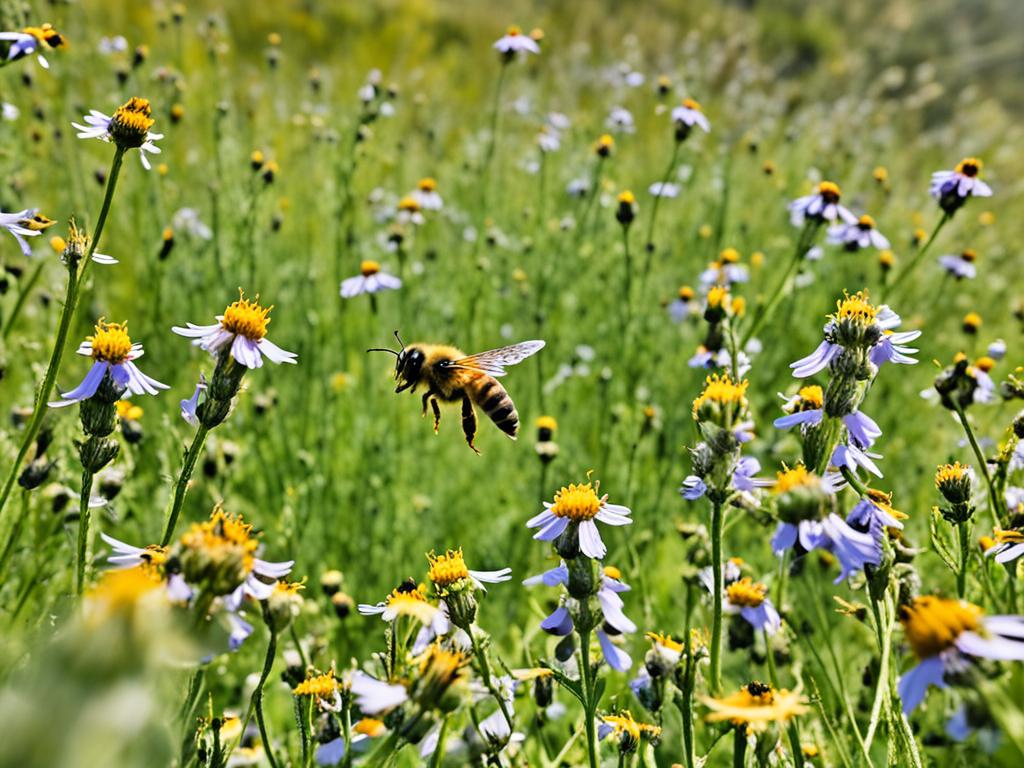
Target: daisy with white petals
128,128
580,506
514,41
113,353
369,280
242,329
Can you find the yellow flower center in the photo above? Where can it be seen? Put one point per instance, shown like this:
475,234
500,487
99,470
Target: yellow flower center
111,342
746,593
932,624
755,705
950,473
729,256
686,293
322,686
547,422
887,258
612,572
627,198
665,641
972,320
409,205
880,174
811,398
118,591
222,535
447,569
128,411
721,390
866,222
856,309
514,31
369,267
718,296
427,185
692,104
577,502
829,191
795,477
135,116
246,318
369,726
969,166
969,254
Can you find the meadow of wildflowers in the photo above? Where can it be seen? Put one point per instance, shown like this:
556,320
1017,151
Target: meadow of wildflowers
749,271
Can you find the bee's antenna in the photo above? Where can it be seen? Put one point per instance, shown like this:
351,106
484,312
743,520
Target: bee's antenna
382,349
400,342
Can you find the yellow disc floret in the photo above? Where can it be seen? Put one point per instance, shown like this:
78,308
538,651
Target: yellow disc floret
447,569
321,686
110,342
969,166
721,390
811,398
692,104
795,477
746,593
932,624
578,501
369,267
246,318
755,705
829,191
129,127
856,309
223,536
427,184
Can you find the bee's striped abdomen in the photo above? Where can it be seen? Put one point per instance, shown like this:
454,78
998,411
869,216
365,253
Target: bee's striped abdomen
497,404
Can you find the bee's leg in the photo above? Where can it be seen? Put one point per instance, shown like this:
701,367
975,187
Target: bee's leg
469,422
426,397
437,413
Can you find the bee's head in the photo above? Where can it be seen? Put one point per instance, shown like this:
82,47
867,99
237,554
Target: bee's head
408,363
408,367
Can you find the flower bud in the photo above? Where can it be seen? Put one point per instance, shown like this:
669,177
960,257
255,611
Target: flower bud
96,452
331,582
343,604
955,482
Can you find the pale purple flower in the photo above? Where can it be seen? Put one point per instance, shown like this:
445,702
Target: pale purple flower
689,114
821,206
959,267
123,372
246,347
18,225
98,127
514,41
369,280
858,235
552,522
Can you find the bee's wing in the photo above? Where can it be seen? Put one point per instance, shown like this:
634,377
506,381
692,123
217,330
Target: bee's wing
493,362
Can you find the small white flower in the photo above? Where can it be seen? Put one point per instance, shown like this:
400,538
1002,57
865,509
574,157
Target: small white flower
369,280
242,329
515,42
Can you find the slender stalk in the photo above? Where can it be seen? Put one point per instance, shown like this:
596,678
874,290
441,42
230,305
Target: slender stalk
23,294
963,529
181,487
15,535
764,311
649,242
590,706
84,515
716,616
792,729
437,758
480,655
919,256
993,497
76,277
739,747
257,694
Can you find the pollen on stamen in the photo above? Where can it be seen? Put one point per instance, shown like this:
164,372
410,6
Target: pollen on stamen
110,342
246,318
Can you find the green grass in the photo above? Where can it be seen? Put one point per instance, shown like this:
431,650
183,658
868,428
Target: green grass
335,470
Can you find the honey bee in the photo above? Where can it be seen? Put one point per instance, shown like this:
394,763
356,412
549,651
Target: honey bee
452,376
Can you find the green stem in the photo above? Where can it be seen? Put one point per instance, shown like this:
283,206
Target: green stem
764,311
993,497
792,729
649,242
76,277
854,481
84,514
589,706
716,616
181,487
963,529
19,304
739,747
437,758
919,256
257,694
480,655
